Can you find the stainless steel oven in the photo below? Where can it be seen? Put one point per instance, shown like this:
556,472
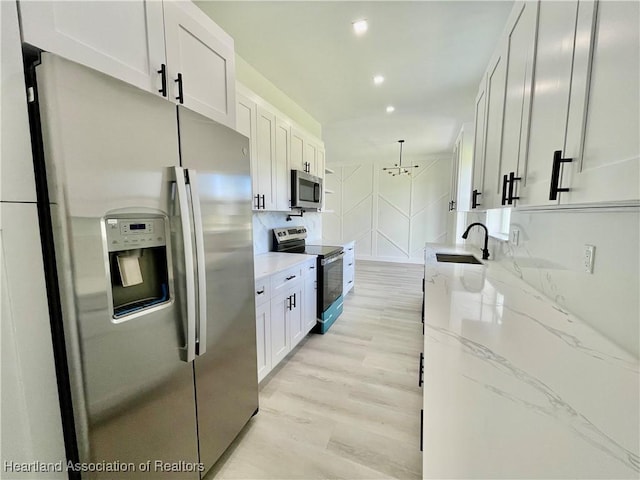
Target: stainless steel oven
331,273
329,268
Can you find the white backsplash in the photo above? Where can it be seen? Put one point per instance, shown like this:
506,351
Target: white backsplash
549,257
265,222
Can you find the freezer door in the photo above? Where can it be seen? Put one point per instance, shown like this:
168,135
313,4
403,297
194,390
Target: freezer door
108,148
226,374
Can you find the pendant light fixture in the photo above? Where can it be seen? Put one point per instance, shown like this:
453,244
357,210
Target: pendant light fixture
398,169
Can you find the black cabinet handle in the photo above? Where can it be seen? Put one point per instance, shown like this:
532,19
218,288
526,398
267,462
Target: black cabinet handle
180,96
555,175
294,300
257,204
350,248
512,180
474,199
505,186
290,278
163,77
421,374
350,281
260,292
263,204
421,427
312,268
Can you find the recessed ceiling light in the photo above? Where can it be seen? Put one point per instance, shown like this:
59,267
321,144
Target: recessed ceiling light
390,108
360,26
378,79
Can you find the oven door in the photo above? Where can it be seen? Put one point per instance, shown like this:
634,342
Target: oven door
331,271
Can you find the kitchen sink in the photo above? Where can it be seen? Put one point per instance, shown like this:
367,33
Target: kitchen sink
457,258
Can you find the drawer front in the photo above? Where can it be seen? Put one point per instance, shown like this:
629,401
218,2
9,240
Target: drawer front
310,268
349,261
263,290
349,248
285,279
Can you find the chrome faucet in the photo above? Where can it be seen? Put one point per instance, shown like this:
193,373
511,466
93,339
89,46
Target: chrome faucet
485,250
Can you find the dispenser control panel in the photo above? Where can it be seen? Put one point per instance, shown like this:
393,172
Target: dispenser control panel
129,233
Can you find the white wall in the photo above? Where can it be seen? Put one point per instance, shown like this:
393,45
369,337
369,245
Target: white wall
390,218
549,258
264,222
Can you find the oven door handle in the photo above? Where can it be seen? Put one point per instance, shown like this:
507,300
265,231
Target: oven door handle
333,258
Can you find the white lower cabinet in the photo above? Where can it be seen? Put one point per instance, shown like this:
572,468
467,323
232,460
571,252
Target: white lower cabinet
348,267
263,339
310,303
280,327
285,313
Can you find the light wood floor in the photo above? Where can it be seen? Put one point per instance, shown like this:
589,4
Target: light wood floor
345,404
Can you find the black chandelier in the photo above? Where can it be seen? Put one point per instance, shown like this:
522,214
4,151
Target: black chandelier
398,169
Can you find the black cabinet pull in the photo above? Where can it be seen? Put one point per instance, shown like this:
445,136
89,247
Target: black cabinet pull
163,77
350,281
312,268
294,300
421,427
421,373
290,278
260,292
505,186
257,204
180,96
512,180
350,264
474,199
555,175
263,204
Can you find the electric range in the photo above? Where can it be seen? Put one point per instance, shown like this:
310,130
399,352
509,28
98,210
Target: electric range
329,268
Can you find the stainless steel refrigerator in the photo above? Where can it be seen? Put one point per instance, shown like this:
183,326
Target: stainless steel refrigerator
151,233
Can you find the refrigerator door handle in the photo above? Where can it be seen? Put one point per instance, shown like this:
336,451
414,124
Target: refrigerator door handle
183,204
201,329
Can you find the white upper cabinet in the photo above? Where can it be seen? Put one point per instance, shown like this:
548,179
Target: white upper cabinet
520,43
282,175
495,92
297,150
246,118
265,155
566,124
478,147
168,48
201,62
123,39
462,170
558,103
608,169
307,153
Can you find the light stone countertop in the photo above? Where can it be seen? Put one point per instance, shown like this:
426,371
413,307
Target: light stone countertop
516,387
266,264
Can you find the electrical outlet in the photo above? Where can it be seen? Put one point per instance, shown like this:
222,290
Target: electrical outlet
589,253
515,237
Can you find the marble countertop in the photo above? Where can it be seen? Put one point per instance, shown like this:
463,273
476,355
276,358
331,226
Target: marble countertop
268,263
516,387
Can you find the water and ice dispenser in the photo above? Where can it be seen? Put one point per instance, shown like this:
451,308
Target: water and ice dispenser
138,263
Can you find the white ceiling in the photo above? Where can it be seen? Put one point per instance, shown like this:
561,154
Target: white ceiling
431,53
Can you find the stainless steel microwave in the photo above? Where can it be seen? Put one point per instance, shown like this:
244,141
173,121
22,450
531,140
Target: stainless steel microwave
306,190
